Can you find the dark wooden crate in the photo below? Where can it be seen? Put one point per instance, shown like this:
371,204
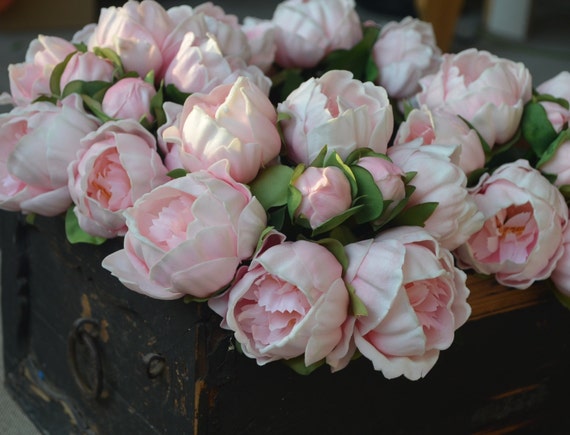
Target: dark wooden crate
508,369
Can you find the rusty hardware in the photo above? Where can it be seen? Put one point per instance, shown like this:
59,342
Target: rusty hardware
155,364
82,346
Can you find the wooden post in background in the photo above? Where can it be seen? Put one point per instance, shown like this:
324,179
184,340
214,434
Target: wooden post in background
443,15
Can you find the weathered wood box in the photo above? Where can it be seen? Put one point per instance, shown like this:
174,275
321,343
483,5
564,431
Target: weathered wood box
83,354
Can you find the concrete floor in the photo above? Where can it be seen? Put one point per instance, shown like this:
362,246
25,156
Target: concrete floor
546,51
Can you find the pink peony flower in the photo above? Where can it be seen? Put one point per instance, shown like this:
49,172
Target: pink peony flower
118,166
200,66
38,143
261,38
337,111
30,79
204,22
87,67
525,217
488,91
405,52
136,31
188,236
439,179
325,194
415,299
306,31
559,87
443,128
129,98
278,313
559,165
235,122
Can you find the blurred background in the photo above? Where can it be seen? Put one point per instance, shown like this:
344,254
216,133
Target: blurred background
532,32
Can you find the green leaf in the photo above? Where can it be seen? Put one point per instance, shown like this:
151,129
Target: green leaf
81,47
294,199
334,159
343,234
360,153
177,173
357,306
111,55
95,89
369,196
552,99
171,93
298,365
335,221
74,232
356,59
55,78
285,82
389,215
156,106
536,128
95,107
30,218
271,186
337,249
565,191
276,217
550,151
416,215
319,161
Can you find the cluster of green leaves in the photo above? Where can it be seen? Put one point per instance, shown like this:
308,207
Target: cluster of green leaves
541,136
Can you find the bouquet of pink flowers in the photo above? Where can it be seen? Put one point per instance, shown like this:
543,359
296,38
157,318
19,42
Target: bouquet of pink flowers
321,183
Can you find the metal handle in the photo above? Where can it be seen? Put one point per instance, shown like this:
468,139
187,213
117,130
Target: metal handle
83,338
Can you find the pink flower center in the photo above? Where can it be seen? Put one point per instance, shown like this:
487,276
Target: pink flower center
109,183
429,299
271,308
169,226
510,235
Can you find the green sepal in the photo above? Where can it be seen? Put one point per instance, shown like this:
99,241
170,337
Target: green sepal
95,107
319,161
343,234
94,89
285,82
298,365
81,47
552,99
360,153
416,215
336,248
536,128
30,218
188,299
156,106
389,215
565,191
171,93
294,196
74,232
335,221
356,305
356,59
46,99
111,55
271,186
177,173
474,177
409,176
550,151
55,78
276,217
369,196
